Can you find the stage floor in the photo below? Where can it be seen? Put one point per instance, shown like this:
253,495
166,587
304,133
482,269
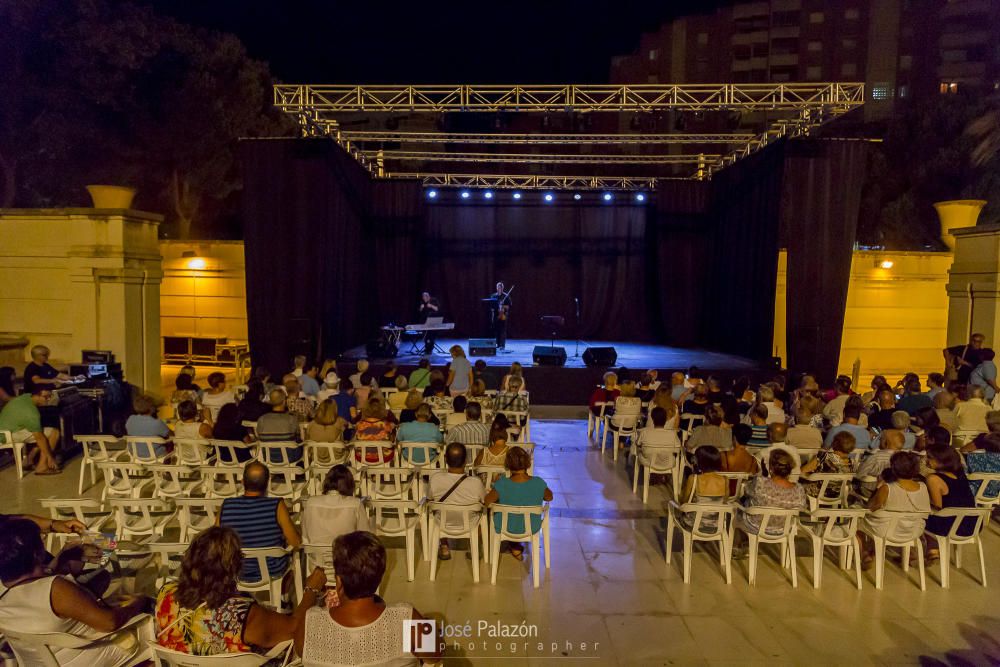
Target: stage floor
635,356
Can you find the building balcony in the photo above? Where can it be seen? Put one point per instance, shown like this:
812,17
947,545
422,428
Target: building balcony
961,71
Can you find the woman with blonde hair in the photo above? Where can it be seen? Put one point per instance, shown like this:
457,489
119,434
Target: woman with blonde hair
516,370
397,399
327,425
413,400
459,373
663,398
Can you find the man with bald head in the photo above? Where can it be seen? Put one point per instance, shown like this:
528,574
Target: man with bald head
259,520
892,441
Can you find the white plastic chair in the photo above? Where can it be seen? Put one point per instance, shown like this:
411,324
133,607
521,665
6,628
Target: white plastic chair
135,443
382,453
175,481
881,542
697,532
660,460
39,649
88,511
594,422
471,525
278,453
17,449
489,474
312,555
167,559
224,481
956,541
983,499
288,482
225,451
195,515
629,428
693,421
268,583
97,449
141,517
825,497
430,452
385,483
325,454
194,451
124,480
788,519
401,518
837,528
164,657
739,477
506,512
518,418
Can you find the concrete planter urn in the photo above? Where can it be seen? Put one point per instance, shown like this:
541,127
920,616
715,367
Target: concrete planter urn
957,213
111,196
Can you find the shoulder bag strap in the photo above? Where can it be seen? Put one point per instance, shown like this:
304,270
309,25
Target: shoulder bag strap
452,489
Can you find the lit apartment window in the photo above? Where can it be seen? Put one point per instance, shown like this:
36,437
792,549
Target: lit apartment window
948,87
905,62
654,54
816,17
702,39
815,46
881,91
849,69
814,73
852,14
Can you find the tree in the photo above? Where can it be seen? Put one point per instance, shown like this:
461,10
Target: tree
119,94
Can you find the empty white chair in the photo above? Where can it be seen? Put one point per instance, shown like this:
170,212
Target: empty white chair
897,523
96,449
175,481
287,481
837,528
626,427
978,515
88,511
17,449
124,480
505,531
223,481
167,559
786,520
660,460
194,451
401,518
142,449
458,522
384,483
701,522
984,495
195,515
268,583
141,517
39,649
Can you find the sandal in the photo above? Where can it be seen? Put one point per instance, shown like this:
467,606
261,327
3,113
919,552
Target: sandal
49,471
517,553
933,555
444,553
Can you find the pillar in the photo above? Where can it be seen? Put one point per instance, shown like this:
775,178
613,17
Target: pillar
974,285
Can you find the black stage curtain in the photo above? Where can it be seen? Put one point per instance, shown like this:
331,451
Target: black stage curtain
822,194
740,273
551,254
314,228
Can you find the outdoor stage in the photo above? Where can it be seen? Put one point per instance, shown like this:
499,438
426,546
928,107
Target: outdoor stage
573,383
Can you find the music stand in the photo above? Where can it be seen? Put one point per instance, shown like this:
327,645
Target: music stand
553,323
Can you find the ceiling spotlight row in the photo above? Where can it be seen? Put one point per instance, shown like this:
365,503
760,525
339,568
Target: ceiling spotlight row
548,197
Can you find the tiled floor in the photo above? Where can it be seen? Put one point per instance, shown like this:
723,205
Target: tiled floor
609,591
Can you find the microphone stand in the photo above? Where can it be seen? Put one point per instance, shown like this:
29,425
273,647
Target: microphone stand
577,301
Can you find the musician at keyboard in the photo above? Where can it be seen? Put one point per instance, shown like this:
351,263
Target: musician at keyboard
429,307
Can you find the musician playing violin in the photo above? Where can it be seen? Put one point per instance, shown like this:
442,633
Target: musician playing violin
499,313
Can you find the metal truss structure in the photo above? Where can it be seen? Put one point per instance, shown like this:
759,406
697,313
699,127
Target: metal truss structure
798,107
531,181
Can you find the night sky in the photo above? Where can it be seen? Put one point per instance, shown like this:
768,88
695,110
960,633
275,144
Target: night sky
543,41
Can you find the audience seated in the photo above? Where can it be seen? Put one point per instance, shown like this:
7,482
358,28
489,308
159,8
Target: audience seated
144,423
706,485
512,399
189,424
875,463
983,455
255,402
278,425
970,415
259,521
758,426
388,378
944,405
775,413
660,429
984,375
775,490
184,390
334,513
397,399
202,613
947,486
836,459
901,489
913,398
230,427
628,406
713,432
308,381
803,434
520,489
833,412
454,486
739,458
420,378
296,403
414,399
901,423
363,381
375,425
420,430
330,388
516,371
606,394
21,417
496,453
698,403
437,395
357,627
347,402
850,424
473,431
882,417
482,373
39,600
457,414
327,425
216,395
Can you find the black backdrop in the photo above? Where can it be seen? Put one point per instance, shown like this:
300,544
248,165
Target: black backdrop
331,254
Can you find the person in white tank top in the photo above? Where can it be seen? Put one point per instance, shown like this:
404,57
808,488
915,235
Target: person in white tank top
37,601
902,490
358,628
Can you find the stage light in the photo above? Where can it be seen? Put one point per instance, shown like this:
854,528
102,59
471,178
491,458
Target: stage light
488,194
549,197
577,196
431,194
466,194
886,264
517,195
608,196
639,197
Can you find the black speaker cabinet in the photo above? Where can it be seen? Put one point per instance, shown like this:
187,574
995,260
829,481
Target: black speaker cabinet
482,347
543,355
600,356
